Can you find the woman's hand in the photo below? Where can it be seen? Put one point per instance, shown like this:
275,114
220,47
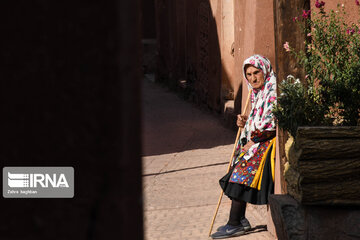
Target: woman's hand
248,146
241,120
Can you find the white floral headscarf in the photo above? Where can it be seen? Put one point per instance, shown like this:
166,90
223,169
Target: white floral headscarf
261,117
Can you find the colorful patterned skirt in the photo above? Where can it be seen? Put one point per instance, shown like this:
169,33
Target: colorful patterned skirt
253,180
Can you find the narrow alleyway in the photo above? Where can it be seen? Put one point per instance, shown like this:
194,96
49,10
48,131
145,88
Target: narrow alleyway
185,152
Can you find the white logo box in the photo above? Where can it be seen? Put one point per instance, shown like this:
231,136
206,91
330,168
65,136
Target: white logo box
38,182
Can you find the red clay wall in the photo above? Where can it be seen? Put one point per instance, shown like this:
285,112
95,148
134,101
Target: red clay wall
195,39
203,52
254,34
188,47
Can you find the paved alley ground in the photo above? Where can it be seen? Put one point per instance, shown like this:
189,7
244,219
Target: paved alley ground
185,151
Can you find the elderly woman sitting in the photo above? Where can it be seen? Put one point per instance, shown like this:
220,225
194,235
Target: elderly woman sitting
251,178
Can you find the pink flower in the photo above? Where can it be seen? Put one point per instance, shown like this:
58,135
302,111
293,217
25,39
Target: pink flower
252,62
357,2
309,35
295,19
306,14
319,4
286,46
350,31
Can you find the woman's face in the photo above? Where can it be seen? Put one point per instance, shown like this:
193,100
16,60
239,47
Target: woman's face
255,77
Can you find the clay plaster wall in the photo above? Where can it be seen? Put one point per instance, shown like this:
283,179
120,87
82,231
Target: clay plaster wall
254,34
204,42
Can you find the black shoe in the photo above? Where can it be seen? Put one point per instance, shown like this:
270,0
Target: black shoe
228,231
244,222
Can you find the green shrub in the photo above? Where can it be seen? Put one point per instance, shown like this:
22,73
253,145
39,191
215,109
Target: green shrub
330,92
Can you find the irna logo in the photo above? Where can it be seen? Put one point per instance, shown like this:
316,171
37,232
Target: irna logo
34,180
38,182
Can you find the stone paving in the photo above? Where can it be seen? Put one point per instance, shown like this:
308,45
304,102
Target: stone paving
185,151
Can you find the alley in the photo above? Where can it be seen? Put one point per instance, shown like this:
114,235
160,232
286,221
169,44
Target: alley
185,152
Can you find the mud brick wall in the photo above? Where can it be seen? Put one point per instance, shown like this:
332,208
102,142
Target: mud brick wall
188,47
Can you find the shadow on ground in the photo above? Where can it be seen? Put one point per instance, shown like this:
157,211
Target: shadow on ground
171,124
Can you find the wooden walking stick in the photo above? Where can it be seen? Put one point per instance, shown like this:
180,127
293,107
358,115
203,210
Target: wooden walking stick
229,166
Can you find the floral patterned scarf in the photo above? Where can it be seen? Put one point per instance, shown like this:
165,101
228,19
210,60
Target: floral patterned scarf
261,117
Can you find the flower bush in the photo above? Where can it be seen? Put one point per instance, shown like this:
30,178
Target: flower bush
330,92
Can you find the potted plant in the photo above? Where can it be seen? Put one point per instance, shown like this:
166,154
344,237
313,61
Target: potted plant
321,111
